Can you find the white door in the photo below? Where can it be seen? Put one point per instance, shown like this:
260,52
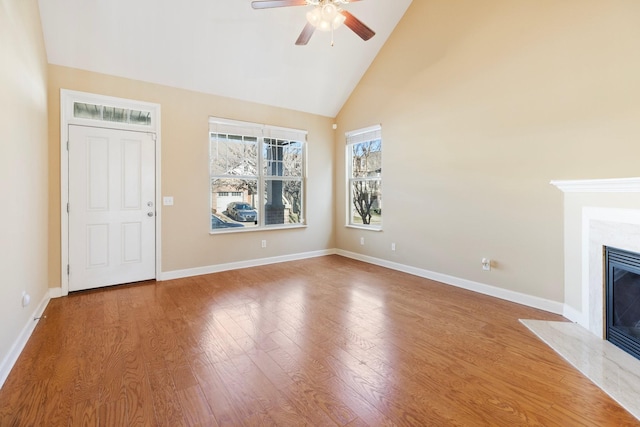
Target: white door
111,207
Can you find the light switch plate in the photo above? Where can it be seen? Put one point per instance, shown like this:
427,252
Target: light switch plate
167,200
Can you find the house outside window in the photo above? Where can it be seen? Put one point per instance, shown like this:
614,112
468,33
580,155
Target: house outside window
256,176
364,177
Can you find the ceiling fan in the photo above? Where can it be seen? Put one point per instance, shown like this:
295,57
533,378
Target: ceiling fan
326,15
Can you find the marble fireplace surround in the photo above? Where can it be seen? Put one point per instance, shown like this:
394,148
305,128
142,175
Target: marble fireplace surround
597,213
615,228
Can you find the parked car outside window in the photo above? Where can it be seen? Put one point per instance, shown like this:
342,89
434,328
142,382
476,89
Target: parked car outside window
217,222
241,211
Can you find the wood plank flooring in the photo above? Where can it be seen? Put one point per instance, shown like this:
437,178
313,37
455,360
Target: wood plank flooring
321,342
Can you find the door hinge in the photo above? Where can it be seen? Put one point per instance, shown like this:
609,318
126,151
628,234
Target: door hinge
67,145
67,207
68,269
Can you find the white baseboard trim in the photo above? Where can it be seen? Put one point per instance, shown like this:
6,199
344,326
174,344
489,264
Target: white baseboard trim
189,272
56,293
12,357
505,294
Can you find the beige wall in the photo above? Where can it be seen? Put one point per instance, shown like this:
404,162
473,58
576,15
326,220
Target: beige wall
23,167
481,105
186,242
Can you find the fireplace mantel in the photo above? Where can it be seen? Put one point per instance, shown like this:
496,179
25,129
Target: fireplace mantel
615,185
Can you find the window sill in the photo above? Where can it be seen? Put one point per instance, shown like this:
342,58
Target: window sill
363,227
254,229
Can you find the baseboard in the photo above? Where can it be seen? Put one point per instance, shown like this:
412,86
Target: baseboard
505,294
56,293
179,274
17,347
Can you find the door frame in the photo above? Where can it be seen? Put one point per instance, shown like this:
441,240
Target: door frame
67,100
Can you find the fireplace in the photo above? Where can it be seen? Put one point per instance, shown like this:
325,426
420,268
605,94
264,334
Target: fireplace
622,299
599,214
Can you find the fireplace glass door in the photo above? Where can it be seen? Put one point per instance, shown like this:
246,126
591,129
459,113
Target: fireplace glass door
623,299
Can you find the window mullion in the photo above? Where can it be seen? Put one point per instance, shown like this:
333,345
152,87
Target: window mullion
261,183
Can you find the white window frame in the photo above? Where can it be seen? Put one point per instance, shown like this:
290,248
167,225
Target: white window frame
371,133
262,132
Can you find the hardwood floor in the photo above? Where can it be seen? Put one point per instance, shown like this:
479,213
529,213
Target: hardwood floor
320,342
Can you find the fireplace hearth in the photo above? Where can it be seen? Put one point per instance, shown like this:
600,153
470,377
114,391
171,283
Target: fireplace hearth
622,296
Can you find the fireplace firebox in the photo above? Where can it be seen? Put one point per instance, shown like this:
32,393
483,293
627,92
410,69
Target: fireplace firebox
622,299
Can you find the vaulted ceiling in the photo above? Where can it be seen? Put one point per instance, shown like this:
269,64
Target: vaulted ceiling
221,47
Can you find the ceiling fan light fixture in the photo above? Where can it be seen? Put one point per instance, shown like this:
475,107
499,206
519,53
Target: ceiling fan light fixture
329,11
314,16
338,20
326,17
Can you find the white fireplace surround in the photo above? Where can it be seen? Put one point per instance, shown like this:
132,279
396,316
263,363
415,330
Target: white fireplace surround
603,223
618,228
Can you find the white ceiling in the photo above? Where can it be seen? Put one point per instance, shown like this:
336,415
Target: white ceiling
221,47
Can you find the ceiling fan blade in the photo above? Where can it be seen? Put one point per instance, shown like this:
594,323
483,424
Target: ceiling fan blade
357,26
267,4
305,35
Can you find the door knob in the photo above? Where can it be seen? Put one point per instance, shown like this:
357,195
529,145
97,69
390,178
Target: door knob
150,214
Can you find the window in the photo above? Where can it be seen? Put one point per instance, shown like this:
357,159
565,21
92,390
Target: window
106,113
364,174
257,175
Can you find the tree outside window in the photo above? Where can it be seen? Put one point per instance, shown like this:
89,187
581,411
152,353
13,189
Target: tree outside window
283,184
364,151
234,173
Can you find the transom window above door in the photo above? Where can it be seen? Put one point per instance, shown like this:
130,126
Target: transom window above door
83,110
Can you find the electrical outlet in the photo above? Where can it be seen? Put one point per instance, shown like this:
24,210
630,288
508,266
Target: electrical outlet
393,246
26,298
486,264
264,243
362,240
